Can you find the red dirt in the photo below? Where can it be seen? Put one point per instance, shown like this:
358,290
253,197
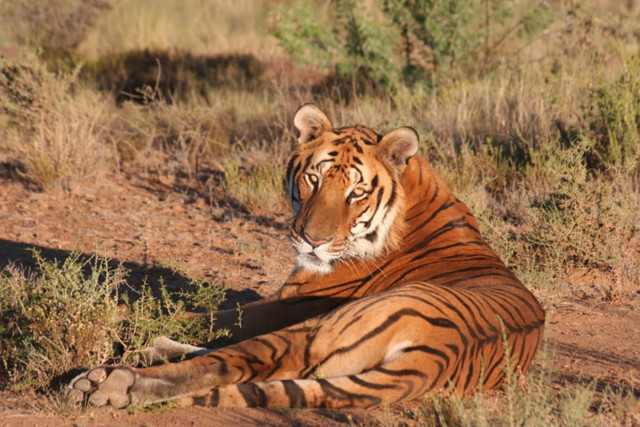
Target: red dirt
141,223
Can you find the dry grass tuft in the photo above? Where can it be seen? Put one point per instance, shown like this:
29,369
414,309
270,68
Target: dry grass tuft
53,127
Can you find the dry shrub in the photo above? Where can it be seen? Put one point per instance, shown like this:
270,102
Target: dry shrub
54,126
58,25
171,75
258,188
186,137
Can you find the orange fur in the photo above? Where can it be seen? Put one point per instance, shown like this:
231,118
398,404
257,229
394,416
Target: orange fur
370,321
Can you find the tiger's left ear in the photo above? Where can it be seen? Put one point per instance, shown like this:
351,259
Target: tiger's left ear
311,122
399,146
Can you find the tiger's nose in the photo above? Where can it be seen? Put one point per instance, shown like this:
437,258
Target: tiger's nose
313,241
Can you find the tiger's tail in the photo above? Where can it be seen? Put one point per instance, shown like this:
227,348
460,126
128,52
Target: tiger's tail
367,389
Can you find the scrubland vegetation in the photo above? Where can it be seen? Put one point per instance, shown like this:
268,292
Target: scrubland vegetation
529,109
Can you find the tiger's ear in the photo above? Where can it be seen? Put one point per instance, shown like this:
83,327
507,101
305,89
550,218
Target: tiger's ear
310,122
399,146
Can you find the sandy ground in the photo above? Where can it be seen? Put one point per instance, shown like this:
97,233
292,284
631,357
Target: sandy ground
143,224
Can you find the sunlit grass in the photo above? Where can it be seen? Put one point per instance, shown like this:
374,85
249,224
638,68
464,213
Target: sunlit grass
202,27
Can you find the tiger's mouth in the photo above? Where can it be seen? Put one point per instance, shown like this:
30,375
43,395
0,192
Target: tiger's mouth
317,259
311,262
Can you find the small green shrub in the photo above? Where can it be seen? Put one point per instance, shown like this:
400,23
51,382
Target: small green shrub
614,119
61,319
73,314
345,37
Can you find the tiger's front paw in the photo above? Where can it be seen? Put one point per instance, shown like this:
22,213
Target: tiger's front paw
104,385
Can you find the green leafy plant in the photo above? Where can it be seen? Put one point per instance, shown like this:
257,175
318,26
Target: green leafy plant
74,314
380,46
61,318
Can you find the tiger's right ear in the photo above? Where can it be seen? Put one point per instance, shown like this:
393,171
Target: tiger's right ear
310,122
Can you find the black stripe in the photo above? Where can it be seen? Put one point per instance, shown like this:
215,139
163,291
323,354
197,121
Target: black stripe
401,372
210,399
350,399
372,237
427,350
307,162
434,321
367,223
342,140
294,392
470,368
393,196
371,385
252,394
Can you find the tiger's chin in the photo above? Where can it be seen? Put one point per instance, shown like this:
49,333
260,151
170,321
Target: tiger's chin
314,264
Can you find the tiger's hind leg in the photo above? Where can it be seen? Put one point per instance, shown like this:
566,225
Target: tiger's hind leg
389,383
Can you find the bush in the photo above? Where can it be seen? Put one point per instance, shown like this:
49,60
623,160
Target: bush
68,315
380,46
62,319
53,128
54,25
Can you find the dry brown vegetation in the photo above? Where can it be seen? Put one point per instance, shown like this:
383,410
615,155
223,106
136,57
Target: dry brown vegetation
536,127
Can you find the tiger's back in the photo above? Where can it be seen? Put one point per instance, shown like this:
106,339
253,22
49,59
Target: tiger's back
395,292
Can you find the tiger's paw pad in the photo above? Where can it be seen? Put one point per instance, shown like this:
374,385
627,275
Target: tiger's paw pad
103,386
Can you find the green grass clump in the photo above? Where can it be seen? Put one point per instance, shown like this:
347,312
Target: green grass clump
73,314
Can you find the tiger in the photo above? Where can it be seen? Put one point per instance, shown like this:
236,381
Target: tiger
395,294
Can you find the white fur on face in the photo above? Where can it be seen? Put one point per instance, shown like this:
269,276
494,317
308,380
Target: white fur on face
316,260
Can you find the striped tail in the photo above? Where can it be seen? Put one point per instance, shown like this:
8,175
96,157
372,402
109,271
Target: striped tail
370,388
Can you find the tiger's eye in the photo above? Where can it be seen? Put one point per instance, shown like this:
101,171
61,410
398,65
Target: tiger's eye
312,180
356,194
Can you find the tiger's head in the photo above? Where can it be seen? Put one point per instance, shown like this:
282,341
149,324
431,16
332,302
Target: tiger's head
345,189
